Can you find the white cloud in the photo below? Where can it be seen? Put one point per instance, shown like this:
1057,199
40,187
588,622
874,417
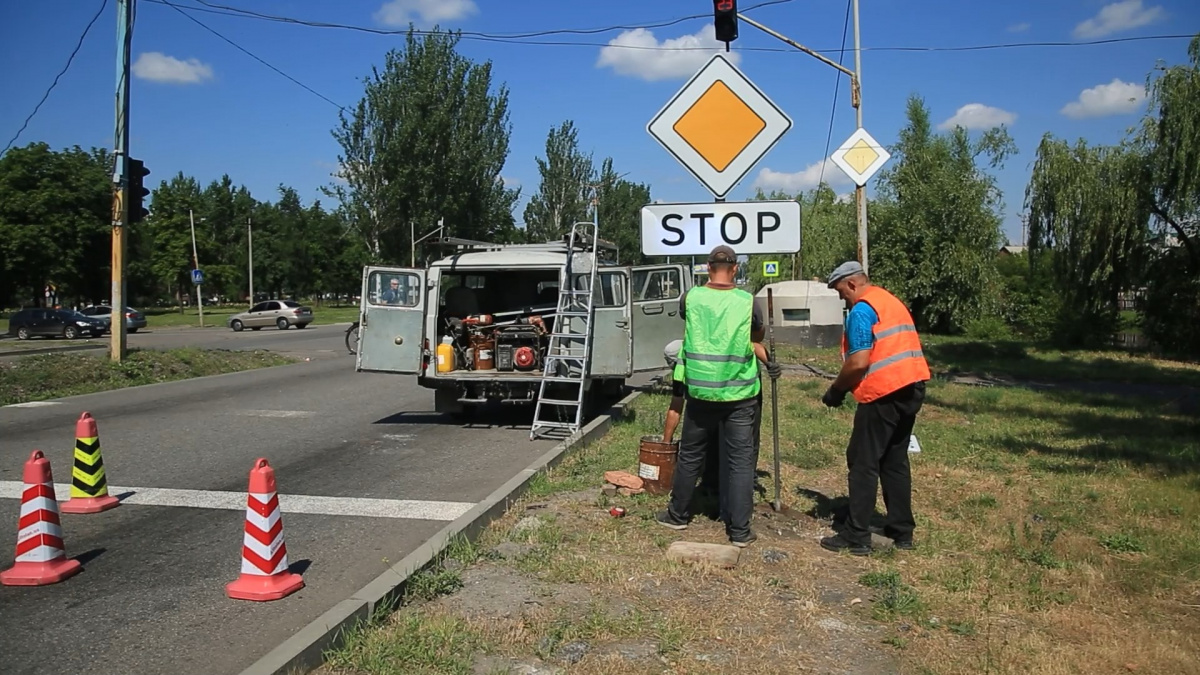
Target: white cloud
398,13
637,53
511,182
845,198
1114,98
158,67
1019,28
978,116
805,179
1119,16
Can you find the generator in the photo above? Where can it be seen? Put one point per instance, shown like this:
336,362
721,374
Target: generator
518,348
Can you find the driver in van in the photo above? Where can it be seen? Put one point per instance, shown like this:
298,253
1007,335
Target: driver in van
393,295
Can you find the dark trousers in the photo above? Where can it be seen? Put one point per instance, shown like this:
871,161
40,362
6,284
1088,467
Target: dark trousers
711,480
878,454
703,425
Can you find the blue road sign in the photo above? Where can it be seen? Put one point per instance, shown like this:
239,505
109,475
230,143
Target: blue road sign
771,269
197,277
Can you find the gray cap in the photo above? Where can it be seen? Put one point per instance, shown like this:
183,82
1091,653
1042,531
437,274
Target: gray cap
722,254
846,269
671,352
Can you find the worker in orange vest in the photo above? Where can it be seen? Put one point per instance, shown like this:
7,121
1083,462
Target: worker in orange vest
884,368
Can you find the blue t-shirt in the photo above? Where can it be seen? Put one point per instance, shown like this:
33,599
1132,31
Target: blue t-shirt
859,324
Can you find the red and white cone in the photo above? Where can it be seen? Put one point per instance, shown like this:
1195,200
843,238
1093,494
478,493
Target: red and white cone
265,574
41,556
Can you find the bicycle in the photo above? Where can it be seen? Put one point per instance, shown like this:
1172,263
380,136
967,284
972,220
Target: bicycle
352,338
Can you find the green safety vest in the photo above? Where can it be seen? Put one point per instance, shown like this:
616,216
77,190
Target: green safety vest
717,361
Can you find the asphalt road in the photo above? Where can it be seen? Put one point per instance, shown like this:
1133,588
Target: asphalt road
151,597
315,341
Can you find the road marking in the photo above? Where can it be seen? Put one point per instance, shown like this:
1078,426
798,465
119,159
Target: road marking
33,404
236,501
276,413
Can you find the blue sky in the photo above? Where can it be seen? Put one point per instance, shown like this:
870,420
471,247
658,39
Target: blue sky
205,108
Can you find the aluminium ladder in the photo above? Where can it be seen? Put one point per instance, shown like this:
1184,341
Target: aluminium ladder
569,354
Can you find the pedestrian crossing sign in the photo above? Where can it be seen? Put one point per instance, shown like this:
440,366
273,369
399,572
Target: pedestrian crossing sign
771,268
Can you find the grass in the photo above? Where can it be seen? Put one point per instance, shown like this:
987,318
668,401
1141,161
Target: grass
1058,531
47,376
216,317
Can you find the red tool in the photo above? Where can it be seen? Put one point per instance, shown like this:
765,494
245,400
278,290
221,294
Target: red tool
617,512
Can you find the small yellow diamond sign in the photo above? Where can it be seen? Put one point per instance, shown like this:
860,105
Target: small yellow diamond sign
860,157
719,125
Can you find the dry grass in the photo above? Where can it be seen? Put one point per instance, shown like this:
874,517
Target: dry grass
1058,532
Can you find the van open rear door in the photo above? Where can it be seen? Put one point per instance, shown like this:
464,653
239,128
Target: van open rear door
656,291
392,312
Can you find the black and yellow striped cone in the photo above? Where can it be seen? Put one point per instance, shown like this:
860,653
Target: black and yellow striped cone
89,486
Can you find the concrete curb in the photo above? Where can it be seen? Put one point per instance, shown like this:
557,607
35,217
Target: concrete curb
49,350
303,651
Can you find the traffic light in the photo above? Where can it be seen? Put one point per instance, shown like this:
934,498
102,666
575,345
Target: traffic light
137,192
725,20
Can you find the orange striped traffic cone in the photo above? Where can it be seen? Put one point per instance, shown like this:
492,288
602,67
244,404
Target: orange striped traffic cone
41,556
265,574
89,485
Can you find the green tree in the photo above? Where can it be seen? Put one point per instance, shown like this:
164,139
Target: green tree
55,223
935,229
166,235
619,212
563,191
427,141
1090,205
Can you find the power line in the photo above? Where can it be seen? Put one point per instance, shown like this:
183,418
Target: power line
252,55
522,38
226,10
836,87
62,72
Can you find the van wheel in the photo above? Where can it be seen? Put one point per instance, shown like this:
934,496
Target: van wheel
281,323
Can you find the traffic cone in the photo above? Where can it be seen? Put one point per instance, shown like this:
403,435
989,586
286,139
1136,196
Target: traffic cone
89,486
265,574
41,556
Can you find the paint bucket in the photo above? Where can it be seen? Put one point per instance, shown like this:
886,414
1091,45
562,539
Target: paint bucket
656,464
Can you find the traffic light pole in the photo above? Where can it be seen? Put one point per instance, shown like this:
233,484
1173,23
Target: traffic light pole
860,194
120,212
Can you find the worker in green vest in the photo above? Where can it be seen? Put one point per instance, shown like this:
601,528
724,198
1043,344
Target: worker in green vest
722,347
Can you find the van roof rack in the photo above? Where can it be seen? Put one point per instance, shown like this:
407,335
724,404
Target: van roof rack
552,246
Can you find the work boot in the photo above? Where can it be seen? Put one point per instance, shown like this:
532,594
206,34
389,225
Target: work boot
837,544
744,541
665,519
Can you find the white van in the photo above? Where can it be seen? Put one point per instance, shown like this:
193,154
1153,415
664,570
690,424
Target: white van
496,303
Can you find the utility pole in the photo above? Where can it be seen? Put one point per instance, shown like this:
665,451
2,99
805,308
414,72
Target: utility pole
250,246
196,260
860,191
120,210
855,100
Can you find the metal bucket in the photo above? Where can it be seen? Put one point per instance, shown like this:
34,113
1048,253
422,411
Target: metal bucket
656,464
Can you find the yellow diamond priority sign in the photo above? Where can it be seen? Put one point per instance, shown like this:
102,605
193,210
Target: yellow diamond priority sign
719,125
860,157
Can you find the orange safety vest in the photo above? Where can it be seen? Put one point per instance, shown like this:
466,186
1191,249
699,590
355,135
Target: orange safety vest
896,357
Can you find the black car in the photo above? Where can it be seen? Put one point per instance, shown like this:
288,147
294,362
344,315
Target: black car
53,322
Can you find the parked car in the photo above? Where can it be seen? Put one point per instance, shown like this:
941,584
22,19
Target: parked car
68,323
279,313
133,318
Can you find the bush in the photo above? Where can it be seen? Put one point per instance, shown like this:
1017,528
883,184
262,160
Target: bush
989,328
1171,308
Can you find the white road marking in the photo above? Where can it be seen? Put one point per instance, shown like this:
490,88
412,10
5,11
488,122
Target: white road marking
236,501
275,413
401,438
33,404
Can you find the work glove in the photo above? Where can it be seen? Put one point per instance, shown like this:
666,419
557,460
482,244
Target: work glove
833,397
774,369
